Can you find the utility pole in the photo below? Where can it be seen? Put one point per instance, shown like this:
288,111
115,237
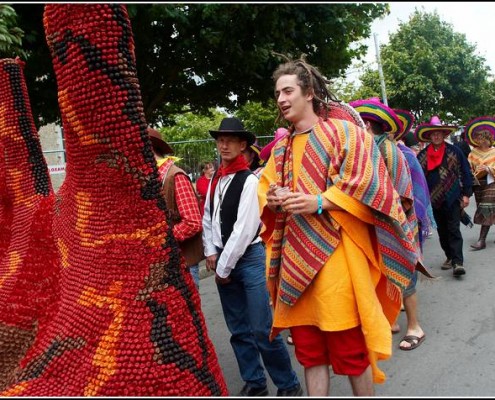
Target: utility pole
380,71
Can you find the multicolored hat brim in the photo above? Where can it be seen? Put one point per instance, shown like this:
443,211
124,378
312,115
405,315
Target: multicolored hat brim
476,125
407,119
378,112
423,131
255,148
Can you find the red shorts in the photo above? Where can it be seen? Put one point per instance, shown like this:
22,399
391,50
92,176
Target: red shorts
345,350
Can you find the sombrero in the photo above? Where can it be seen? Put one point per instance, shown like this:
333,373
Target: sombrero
266,151
477,124
407,120
256,148
423,131
373,109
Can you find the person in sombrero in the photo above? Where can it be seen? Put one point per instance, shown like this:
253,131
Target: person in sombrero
426,222
480,133
421,193
383,124
450,183
380,121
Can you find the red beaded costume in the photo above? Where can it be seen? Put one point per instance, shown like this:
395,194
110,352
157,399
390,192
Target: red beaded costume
29,261
129,320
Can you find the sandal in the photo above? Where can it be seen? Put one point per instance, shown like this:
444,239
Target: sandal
414,342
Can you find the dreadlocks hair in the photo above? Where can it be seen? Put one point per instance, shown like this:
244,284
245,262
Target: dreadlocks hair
311,81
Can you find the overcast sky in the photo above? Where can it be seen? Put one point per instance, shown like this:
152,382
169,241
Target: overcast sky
475,19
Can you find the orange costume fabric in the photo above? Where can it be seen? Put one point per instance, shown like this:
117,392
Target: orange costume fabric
351,288
478,157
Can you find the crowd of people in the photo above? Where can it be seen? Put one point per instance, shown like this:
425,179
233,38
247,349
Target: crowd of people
264,209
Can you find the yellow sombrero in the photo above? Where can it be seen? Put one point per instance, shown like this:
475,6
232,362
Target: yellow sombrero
477,124
423,131
373,109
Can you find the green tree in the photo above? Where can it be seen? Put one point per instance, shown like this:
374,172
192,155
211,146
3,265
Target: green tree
259,118
10,34
190,139
202,56
430,69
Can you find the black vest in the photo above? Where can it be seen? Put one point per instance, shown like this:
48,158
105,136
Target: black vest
230,205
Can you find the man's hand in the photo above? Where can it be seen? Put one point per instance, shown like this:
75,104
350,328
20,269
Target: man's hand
272,200
302,203
464,202
211,262
222,281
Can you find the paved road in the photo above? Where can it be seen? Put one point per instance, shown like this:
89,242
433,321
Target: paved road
457,359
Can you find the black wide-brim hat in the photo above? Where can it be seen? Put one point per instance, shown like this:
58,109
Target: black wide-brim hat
233,126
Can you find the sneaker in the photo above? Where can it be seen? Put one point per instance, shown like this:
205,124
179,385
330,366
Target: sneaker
459,270
250,391
447,264
295,391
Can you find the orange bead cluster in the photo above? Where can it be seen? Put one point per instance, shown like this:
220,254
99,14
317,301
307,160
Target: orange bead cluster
128,320
29,262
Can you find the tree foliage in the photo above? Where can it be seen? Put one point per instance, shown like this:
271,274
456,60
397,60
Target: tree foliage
259,118
431,69
190,138
10,34
202,56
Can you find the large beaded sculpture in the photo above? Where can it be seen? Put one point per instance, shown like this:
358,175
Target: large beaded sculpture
29,261
129,320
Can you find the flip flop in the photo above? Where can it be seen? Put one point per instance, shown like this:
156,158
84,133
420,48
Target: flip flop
414,341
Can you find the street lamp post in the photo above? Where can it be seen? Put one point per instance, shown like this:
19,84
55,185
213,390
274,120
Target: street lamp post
380,71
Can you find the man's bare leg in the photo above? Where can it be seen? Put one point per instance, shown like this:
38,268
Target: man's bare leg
317,380
362,385
413,327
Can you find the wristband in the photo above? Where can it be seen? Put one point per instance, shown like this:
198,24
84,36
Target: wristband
320,204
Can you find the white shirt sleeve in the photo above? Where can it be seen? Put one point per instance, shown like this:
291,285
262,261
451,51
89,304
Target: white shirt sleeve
209,247
245,228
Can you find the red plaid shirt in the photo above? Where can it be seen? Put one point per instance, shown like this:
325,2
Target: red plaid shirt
186,201
188,207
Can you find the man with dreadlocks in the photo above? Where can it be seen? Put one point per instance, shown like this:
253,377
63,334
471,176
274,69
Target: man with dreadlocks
334,241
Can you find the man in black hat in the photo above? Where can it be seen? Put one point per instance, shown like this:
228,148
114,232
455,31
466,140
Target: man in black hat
234,250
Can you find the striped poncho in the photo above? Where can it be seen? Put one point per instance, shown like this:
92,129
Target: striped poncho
341,154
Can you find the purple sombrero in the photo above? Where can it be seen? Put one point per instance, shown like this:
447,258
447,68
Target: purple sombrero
373,109
424,130
477,124
407,120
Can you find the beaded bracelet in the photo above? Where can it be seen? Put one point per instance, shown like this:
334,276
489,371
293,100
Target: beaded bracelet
320,204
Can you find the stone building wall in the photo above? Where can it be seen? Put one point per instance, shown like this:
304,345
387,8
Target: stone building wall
53,147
